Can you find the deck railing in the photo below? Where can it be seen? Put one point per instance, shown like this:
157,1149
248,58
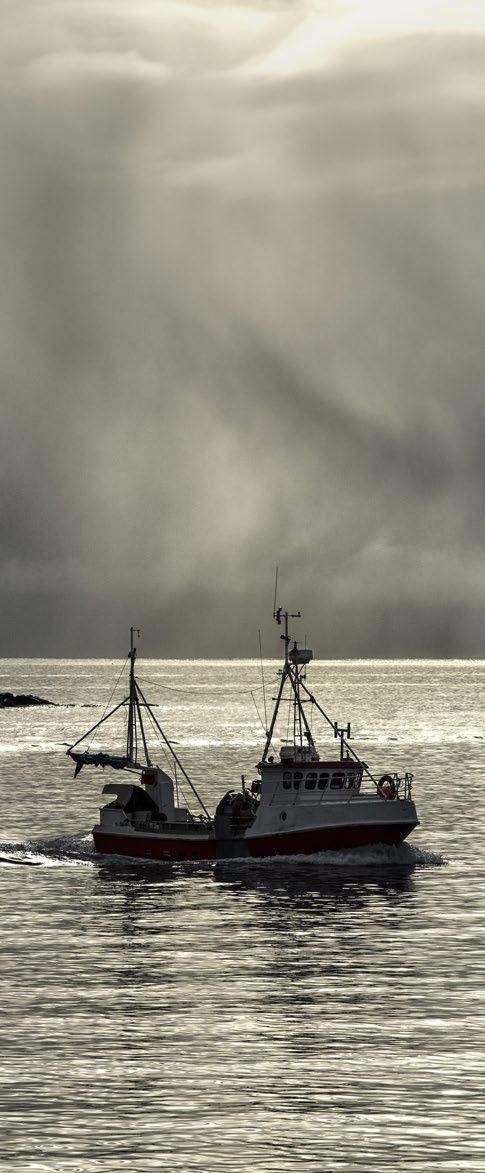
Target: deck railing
150,827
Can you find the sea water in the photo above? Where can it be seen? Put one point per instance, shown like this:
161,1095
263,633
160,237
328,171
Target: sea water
322,1013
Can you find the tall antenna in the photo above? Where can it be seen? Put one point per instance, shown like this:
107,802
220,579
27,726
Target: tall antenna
262,681
275,593
131,732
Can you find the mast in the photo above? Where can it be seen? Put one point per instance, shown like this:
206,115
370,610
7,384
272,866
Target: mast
134,710
277,613
136,701
294,665
131,739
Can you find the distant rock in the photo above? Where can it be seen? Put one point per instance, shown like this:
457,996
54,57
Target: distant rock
8,700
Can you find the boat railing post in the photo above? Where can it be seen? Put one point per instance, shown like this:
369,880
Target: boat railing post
341,731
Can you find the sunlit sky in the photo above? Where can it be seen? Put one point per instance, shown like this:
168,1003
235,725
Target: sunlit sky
242,324
323,33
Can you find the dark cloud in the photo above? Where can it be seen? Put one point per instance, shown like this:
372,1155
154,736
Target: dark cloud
241,324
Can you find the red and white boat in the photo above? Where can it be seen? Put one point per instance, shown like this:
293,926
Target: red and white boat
300,803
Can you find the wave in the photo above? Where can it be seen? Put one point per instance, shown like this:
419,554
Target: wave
72,849
31,747
353,858
79,850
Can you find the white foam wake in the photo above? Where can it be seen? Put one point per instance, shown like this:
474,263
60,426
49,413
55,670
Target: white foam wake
79,849
72,849
406,855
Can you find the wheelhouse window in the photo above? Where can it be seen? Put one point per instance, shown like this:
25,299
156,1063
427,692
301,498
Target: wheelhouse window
336,781
310,781
322,781
297,777
287,778
351,781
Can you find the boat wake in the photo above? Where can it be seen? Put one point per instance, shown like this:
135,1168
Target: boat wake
379,856
71,849
79,850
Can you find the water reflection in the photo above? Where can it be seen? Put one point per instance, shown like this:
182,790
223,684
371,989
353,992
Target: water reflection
283,960
305,884
268,1016
283,911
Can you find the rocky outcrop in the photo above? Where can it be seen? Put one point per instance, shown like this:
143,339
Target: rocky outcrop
8,700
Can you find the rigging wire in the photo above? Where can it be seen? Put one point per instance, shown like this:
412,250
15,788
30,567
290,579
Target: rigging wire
174,755
258,712
170,763
262,682
265,731
200,689
106,707
275,592
348,747
158,739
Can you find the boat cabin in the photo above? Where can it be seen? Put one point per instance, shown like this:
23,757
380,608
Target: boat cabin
312,780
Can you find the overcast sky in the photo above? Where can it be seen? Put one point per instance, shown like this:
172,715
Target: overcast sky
242,323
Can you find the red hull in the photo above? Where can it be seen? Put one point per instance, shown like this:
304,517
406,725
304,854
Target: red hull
329,839
154,846
292,843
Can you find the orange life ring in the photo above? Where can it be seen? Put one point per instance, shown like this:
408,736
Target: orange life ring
386,786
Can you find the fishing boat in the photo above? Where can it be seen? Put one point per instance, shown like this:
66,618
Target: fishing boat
301,801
